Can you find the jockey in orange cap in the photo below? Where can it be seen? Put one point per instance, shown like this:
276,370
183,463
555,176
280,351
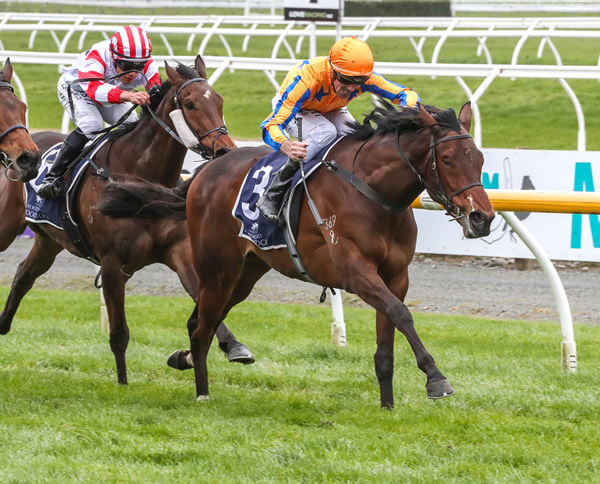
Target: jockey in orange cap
98,88
320,89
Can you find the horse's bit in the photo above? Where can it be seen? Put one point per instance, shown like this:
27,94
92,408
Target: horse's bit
208,153
439,194
4,159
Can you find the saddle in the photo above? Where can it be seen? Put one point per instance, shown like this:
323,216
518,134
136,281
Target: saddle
263,233
61,213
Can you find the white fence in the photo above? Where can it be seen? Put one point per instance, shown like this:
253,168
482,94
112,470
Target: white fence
521,6
457,6
488,73
246,5
63,28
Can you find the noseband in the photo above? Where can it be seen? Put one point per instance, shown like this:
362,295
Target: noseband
4,159
437,192
206,152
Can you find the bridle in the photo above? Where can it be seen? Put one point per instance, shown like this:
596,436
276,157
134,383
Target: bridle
4,159
437,192
204,151
208,153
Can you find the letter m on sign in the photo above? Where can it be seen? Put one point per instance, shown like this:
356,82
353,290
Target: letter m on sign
584,182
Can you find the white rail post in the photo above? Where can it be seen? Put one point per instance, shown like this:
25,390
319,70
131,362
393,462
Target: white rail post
338,327
568,347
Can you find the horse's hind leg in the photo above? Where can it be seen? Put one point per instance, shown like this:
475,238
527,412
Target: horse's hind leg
235,351
38,261
113,288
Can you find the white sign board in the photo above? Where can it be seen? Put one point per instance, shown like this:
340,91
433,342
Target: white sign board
563,236
316,10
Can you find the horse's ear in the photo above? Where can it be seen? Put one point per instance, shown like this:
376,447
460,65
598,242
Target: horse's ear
465,115
7,72
200,66
428,119
172,74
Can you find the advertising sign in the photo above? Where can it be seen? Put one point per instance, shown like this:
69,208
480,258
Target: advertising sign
563,236
314,10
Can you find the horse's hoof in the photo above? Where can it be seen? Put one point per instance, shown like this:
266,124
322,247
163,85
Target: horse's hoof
179,360
439,389
4,328
240,354
202,398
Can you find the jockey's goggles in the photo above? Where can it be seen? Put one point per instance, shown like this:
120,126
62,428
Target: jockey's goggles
351,80
129,65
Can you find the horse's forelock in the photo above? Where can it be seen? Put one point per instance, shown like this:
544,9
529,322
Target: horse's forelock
447,119
187,71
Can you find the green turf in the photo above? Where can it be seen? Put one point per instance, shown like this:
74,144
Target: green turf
306,411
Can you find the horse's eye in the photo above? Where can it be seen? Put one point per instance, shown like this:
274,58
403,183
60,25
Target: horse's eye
189,105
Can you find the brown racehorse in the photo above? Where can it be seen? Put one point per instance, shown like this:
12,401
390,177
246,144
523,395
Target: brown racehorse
19,159
371,235
148,151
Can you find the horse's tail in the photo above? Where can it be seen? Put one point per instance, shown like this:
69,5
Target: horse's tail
143,199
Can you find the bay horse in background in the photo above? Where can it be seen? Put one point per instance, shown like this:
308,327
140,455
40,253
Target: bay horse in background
398,154
146,150
19,159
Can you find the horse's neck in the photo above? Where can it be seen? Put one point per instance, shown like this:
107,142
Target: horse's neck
380,165
148,152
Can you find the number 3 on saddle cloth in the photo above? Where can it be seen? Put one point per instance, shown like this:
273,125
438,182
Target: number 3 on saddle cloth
60,213
263,233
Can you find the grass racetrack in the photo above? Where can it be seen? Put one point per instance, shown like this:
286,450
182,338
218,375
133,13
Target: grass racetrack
306,411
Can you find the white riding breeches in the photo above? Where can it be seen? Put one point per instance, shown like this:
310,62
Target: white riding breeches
319,129
86,114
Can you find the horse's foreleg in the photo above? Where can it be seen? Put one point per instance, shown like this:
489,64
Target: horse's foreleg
179,259
437,385
113,288
38,261
370,287
12,207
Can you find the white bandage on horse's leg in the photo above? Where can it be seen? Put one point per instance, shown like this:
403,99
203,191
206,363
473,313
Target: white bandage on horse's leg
183,130
189,359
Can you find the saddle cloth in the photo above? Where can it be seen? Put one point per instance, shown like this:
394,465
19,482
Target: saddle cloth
44,210
263,233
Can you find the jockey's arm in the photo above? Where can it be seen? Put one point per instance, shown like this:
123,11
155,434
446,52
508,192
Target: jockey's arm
136,97
397,94
274,126
294,150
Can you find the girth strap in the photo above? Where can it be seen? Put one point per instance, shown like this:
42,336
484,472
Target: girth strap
361,186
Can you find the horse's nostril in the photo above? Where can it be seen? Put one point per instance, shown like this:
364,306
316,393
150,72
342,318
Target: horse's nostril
477,219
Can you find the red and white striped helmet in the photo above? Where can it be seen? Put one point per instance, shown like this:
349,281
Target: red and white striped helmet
130,43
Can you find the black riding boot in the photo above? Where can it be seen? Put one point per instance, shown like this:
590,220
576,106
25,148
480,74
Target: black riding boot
270,202
52,186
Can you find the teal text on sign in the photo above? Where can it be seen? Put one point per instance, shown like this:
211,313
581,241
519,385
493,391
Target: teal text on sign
584,182
487,183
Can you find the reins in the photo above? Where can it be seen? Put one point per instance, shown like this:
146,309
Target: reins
437,192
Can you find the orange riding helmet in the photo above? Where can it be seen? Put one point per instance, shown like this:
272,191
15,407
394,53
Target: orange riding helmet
351,57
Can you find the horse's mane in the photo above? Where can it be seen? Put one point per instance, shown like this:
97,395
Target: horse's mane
185,71
385,118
